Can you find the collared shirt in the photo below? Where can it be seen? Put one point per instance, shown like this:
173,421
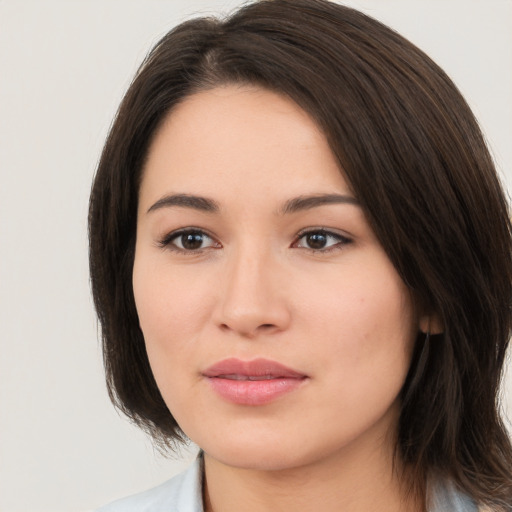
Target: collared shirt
183,493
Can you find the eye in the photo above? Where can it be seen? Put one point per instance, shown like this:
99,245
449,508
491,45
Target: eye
321,240
189,240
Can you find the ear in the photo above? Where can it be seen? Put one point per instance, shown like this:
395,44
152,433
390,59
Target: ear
431,323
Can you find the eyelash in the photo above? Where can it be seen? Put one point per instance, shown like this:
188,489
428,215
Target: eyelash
341,240
167,242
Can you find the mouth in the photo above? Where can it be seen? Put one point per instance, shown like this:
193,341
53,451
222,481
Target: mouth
256,382
235,376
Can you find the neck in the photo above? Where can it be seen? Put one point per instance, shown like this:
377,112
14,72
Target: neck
339,482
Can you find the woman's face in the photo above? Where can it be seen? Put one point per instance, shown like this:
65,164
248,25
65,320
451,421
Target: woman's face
277,329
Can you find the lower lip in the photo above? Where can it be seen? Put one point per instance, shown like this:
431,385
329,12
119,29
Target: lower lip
253,392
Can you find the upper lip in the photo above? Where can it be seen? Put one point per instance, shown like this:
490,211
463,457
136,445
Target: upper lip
230,368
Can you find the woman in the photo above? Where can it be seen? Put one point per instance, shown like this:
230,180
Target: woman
300,258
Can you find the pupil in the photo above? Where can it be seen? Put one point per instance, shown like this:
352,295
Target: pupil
192,240
317,240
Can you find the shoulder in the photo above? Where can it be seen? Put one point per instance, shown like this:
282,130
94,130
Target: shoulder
445,497
179,494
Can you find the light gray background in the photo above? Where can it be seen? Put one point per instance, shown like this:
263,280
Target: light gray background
64,66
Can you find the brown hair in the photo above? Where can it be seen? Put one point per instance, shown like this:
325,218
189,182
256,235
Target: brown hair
414,156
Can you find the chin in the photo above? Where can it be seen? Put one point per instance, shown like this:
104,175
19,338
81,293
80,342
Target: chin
266,454
268,459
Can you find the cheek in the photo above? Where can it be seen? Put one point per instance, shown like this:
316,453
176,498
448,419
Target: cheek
364,360
365,325
170,313
166,302
172,310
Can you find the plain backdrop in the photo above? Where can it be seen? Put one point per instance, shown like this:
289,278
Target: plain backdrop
64,66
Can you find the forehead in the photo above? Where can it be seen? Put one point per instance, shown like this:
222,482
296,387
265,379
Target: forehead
240,140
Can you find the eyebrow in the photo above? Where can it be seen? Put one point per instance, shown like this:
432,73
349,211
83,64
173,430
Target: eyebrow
307,202
186,201
296,204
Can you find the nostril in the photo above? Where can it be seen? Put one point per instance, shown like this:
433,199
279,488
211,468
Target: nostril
247,331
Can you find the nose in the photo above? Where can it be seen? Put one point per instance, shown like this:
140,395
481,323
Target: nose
253,298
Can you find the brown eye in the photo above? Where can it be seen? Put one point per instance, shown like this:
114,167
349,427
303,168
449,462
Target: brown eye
320,240
189,240
316,240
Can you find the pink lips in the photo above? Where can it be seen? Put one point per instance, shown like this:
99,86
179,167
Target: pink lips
255,382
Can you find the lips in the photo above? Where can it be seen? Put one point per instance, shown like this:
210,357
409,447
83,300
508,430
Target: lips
255,382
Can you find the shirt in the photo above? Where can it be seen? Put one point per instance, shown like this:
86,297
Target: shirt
183,493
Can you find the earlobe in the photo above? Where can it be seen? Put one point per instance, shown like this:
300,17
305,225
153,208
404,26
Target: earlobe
431,324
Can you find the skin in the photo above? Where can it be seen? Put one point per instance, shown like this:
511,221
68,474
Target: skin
255,288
